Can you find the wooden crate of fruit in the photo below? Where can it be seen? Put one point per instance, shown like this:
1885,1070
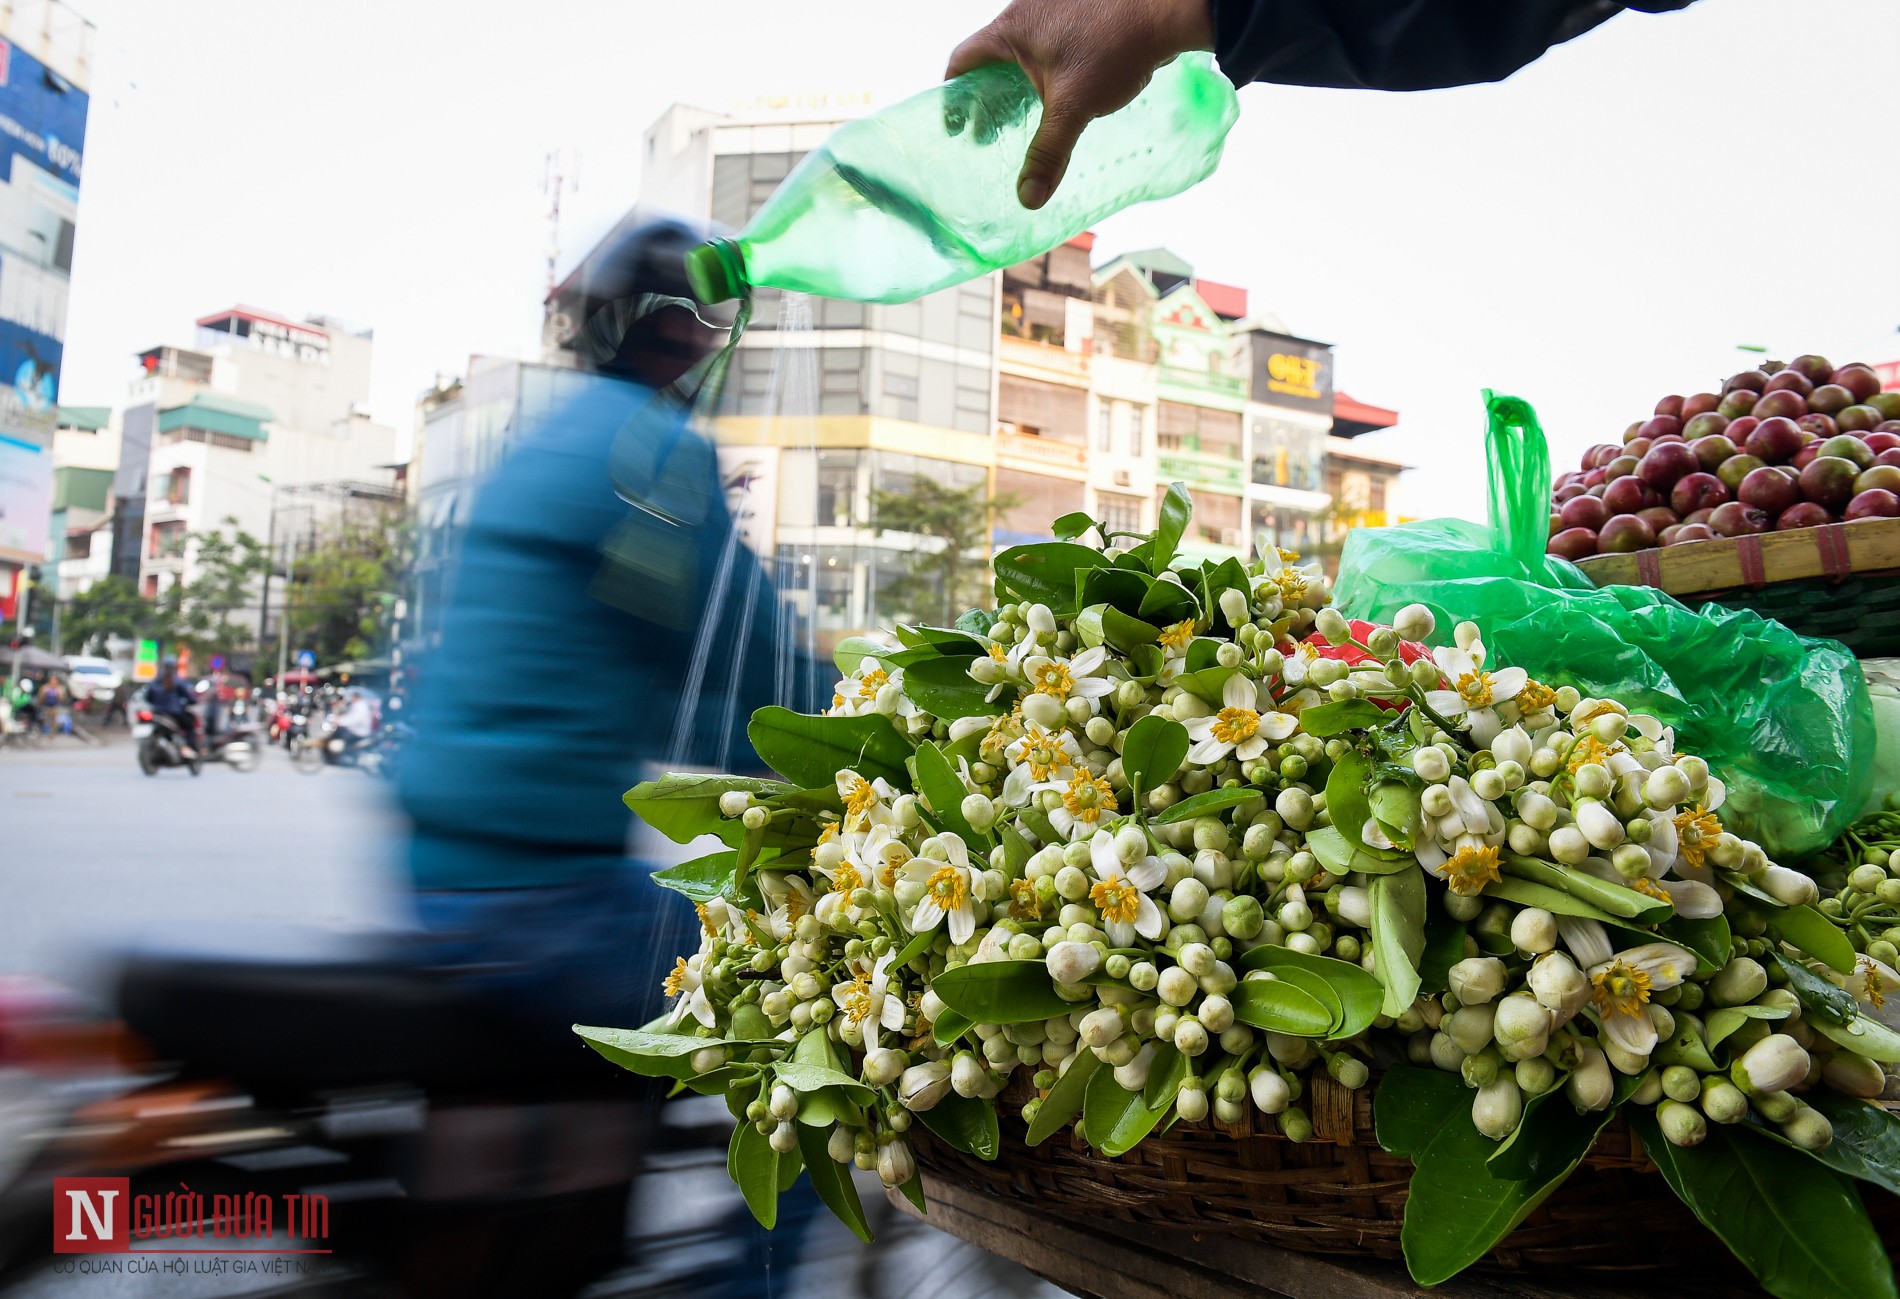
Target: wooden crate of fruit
1780,494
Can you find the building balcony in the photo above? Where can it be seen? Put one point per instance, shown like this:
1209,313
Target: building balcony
1070,459
1046,361
1228,386
1214,473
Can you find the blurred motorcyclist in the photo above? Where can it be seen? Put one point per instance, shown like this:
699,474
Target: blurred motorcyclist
589,553
357,722
171,698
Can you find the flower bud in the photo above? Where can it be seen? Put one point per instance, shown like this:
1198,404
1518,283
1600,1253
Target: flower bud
1465,635
1590,1086
1471,1028
1593,780
734,802
1773,1064
922,1085
1738,983
1535,1076
1480,1070
1295,807
1476,979
1191,1103
754,818
1268,1089
1072,962
1176,986
1512,745
1559,986
1216,1013
1681,1124
1789,887
1681,1083
1519,1019
1599,825
1665,787
884,1065
1534,931
1414,622
895,1164
1445,1053
1039,619
784,1102
1722,1101
1569,846
1854,1075
1233,604
1497,1108
978,811
707,1059
1242,917
784,1138
1488,784
1190,1036
1044,710
1809,1129
967,1072
1133,1076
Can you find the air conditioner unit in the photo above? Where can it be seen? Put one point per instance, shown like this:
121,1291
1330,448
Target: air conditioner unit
1123,477
1230,536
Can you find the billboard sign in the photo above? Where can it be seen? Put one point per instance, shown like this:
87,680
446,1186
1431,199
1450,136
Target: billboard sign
42,135
1292,372
26,500
145,662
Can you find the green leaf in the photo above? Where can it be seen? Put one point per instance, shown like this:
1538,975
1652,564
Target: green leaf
976,622
853,650
790,1165
1863,1035
1324,721
1203,652
1709,939
1177,507
1551,1130
1725,1021
684,807
1165,1075
1072,525
1340,857
1621,903
1740,883
1122,588
1456,1211
1395,806
1527,893
1001,992
703,878
1797,1225
812,1078
753,1166
652,1054
1016,850
1046,572
1816,935
1398,935
1279,1007
1685,1046
1866,1139
1164,603
1064,1100
834,1186
1830,1004
944,688
1444,948
913,1190
950,1026
1125,633
944,791
1357,992
1153,751
1214,800
811,750
1349,808
966,1123
1227,575
1115,1120
1207,684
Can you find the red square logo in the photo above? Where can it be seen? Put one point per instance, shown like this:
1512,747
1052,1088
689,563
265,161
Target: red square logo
92,1215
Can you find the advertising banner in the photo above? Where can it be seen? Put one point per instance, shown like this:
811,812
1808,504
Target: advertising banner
1292,372
42,135
26,500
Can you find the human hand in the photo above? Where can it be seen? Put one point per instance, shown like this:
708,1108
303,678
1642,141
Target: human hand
1086,59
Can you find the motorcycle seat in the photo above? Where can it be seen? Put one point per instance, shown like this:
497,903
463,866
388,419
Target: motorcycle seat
290,1009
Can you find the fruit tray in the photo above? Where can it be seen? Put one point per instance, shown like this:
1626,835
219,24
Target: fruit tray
1840,580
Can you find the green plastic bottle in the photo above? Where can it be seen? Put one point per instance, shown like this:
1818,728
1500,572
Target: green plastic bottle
923,195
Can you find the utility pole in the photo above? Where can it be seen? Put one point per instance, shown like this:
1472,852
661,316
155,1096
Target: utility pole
283,622
23,631
554,179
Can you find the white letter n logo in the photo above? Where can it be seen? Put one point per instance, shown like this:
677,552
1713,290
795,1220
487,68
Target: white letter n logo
86,1217
98,1214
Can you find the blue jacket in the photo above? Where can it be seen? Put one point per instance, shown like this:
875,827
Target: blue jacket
567,644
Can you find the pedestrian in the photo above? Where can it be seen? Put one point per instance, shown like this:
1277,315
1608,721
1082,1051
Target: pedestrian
53,707
121,694
26,705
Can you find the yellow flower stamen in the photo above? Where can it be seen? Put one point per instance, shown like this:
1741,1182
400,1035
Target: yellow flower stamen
1602,708
1622,989
1291,583
998,653
837,701
1087,797
846,879
1470,869
948,888
827,832
1652,889
1024,903
1696,832
1535,697
872,682
1475,689
795,906
705,917
1585,751
1043,758
1288,556
1176,636
1235,725
1117,900
894,857
856,1002
859,799
1055,679
676,980
1876,995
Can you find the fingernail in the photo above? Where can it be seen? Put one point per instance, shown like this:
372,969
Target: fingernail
1032,191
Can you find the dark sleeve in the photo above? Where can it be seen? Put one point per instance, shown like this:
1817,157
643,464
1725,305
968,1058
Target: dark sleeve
1399,44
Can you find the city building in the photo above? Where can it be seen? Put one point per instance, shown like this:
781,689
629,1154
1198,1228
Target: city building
1062,384
45,70
79,539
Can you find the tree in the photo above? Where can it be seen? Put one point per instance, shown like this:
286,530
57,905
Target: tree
229,570
953,576
342,587
112,606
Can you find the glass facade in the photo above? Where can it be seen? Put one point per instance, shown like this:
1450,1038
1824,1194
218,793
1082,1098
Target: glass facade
1288,453
1294,530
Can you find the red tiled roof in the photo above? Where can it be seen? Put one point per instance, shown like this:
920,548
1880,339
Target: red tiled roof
1225,299
1355,411
1085,241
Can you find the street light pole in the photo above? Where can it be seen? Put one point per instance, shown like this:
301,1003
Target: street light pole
283,621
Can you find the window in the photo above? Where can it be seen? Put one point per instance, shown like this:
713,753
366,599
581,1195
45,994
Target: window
79,545
168,540
178,487
1135,421
1104,426
1121,513
151,586
1375,498
837,488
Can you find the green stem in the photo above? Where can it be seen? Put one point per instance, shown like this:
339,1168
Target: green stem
1418,698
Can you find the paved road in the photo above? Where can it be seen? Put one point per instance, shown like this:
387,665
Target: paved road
93,851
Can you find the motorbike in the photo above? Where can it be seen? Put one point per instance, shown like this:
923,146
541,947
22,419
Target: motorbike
421,1138
375,756
162,743
241,747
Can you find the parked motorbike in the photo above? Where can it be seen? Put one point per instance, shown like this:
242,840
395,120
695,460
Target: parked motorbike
429,1139
161,744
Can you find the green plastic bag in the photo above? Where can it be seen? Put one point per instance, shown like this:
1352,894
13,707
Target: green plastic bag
1784,719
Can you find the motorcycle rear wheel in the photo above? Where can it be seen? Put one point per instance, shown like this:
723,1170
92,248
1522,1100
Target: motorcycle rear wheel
148,761
243,755
308,755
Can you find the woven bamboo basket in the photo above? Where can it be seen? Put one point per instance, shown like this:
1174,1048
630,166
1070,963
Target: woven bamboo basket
1340,1194
1840,580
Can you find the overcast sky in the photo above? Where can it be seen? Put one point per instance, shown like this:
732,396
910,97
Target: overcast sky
1600,230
